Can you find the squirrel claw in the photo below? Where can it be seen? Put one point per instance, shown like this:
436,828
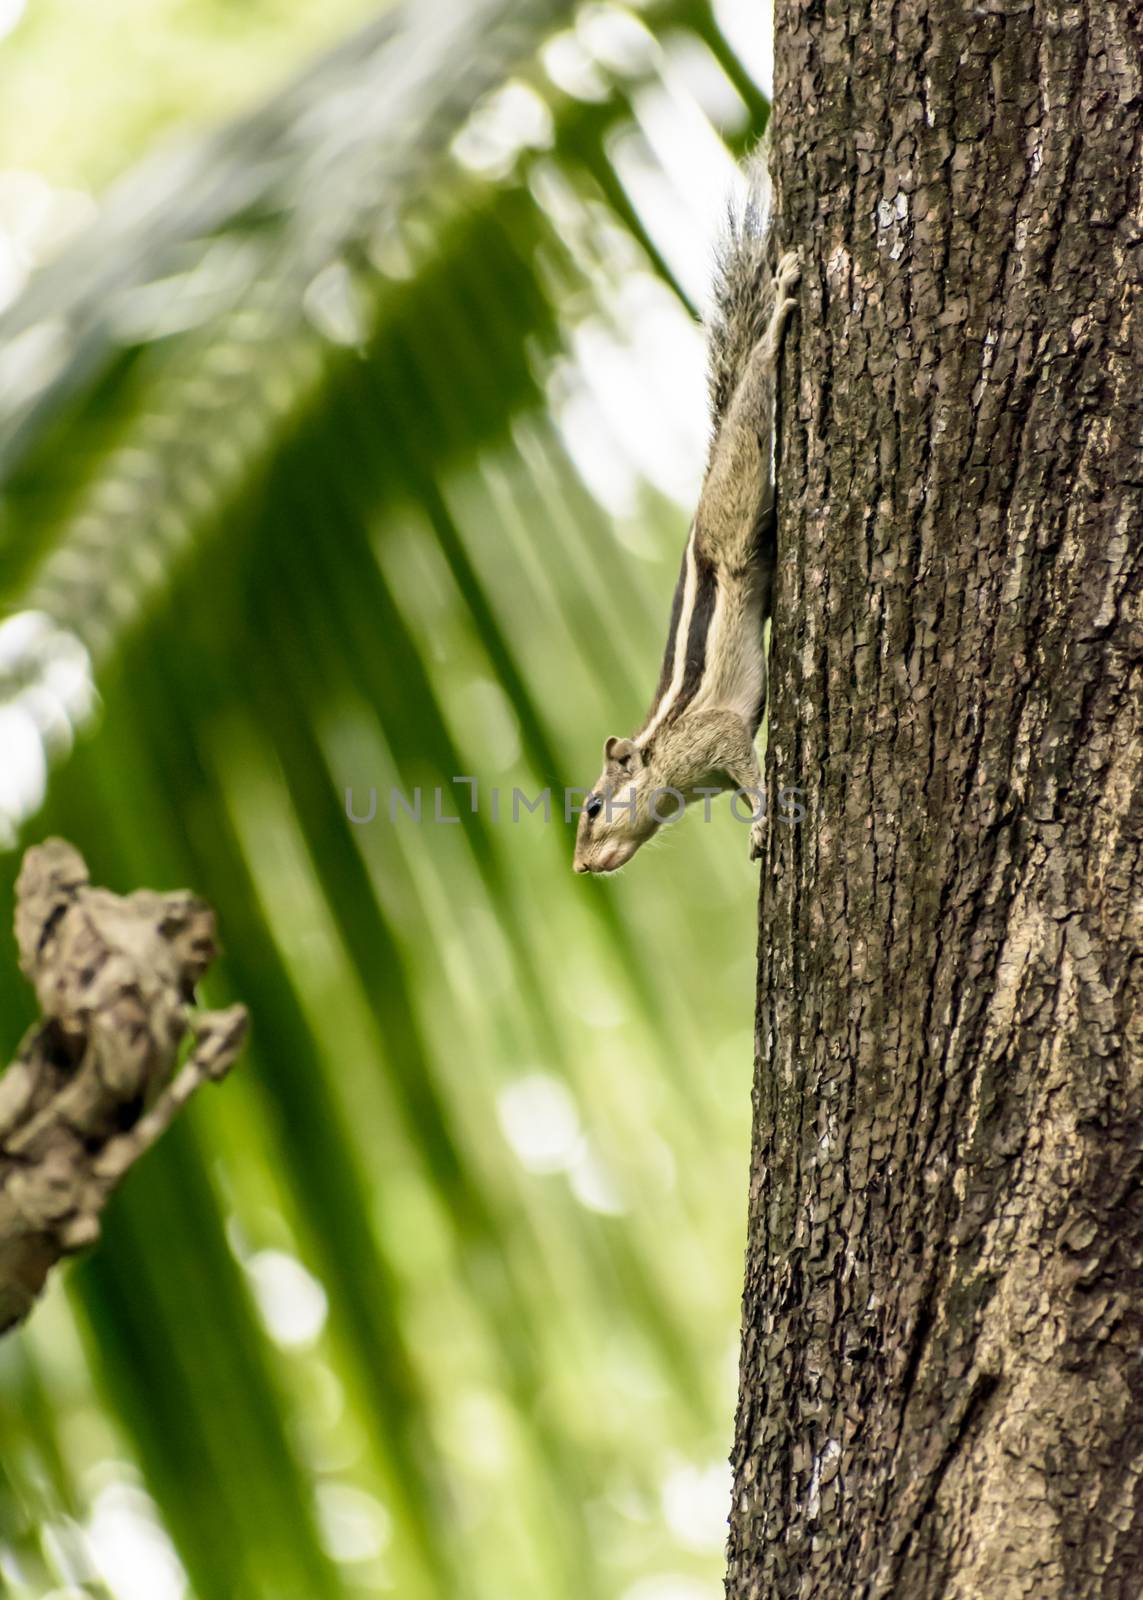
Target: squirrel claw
757,841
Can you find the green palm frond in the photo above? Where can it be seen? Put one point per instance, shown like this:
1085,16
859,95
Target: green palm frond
438,1296
226,270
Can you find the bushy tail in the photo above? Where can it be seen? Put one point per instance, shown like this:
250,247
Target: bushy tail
743,292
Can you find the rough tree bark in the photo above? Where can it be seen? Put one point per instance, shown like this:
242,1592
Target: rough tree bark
942,1376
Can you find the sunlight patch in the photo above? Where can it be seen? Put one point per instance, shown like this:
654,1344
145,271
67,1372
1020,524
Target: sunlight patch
46,693
132,1550
696,1504
540,1120
292,1302
505,124
355,1526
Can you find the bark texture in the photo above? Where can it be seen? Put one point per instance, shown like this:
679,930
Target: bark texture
942,1374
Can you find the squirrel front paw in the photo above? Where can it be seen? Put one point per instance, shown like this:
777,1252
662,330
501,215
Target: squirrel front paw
757,840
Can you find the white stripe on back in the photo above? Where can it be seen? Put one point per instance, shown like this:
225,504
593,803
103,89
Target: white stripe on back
678,671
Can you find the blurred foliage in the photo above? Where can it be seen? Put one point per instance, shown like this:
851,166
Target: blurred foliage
87,87
350,448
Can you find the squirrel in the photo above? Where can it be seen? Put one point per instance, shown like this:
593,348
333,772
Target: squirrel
698,737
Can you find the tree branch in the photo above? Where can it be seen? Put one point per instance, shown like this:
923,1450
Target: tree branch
94,1084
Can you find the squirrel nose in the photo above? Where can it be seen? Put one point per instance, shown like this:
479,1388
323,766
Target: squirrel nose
581,866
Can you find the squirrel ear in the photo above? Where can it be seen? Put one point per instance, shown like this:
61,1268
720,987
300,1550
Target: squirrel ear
620,752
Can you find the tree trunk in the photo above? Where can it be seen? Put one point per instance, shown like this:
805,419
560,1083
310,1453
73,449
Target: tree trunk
942,1363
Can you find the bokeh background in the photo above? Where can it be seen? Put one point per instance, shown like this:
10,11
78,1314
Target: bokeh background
352,406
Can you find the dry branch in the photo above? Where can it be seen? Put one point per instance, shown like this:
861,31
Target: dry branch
94,1084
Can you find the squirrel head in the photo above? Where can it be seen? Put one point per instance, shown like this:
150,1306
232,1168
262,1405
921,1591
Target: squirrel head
616,817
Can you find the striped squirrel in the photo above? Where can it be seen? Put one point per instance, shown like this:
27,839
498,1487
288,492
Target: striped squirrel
698,737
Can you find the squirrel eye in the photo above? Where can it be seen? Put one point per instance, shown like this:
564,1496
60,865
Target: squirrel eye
594,805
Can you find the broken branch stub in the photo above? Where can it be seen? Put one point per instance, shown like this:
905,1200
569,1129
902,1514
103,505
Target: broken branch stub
94,1084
